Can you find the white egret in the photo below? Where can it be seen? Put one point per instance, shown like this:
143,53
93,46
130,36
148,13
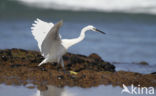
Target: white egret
51,46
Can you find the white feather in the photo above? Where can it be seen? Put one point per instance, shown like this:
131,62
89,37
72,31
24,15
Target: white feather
40,29
50,43
46,34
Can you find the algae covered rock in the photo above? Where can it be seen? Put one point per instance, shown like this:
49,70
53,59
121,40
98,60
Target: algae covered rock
19,67
74,62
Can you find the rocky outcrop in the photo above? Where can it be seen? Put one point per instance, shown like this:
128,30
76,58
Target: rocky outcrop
19,67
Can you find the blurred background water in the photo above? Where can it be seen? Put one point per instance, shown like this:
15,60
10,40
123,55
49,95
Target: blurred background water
130,26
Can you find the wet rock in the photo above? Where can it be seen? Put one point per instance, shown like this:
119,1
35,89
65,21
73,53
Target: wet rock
15,65
95,56
153,73
4,58
20,67
31,87
43,69
143,63
60,77
73,77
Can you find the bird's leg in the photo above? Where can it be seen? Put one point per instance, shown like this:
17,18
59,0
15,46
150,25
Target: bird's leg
44,61
58,64
62,64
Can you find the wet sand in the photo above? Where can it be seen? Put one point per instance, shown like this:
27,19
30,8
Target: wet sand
19,67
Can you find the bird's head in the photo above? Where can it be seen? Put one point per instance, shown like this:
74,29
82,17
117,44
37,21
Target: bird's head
90,27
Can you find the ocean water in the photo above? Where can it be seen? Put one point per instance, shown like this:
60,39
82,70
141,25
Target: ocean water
130,29
68,91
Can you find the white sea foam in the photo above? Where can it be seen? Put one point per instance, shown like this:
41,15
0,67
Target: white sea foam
129,6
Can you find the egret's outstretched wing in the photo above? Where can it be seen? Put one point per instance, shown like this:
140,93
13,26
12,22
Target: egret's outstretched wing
40,29
52,40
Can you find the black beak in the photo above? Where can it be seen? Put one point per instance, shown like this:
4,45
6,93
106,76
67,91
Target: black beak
97,30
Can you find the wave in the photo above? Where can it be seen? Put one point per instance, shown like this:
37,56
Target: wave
127,6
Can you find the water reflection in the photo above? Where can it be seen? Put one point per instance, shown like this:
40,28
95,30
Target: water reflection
77,91
51,91
101,90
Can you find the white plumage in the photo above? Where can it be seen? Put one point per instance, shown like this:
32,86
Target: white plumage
51,46
40,30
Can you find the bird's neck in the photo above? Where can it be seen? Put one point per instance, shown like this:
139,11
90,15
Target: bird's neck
82,35
74,41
